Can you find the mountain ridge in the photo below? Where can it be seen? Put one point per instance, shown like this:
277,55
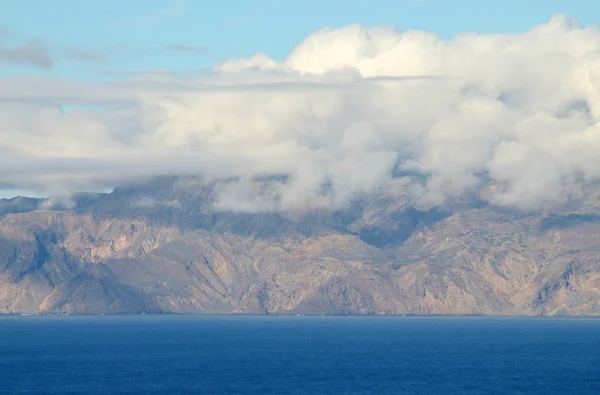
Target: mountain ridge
160,247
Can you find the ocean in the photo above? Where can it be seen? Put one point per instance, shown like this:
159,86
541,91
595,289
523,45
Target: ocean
190,354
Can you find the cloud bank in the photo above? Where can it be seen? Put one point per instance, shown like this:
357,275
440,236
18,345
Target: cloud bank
351,112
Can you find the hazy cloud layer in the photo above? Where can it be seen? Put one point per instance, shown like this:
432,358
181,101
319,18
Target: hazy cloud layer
195,49
36,52
344,111
33,52
84,55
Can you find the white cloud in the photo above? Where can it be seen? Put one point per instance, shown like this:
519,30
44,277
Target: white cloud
143,202
336,116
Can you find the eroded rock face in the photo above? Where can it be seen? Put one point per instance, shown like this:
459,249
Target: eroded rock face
170,253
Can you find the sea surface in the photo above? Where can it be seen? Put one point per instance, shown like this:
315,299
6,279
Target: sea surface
180,354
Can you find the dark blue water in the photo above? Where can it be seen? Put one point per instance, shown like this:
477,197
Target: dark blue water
298,355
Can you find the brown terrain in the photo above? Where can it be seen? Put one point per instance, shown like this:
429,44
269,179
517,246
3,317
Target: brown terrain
158,247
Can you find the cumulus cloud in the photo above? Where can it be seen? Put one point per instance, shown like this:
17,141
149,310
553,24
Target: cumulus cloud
351,112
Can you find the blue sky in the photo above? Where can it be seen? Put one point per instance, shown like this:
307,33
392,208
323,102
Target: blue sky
134,35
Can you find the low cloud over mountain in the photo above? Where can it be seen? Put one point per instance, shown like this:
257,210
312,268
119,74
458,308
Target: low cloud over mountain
350,112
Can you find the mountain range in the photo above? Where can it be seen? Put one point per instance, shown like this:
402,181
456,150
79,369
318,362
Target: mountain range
161,246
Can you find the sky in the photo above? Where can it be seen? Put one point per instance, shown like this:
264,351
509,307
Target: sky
135,35
428,99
